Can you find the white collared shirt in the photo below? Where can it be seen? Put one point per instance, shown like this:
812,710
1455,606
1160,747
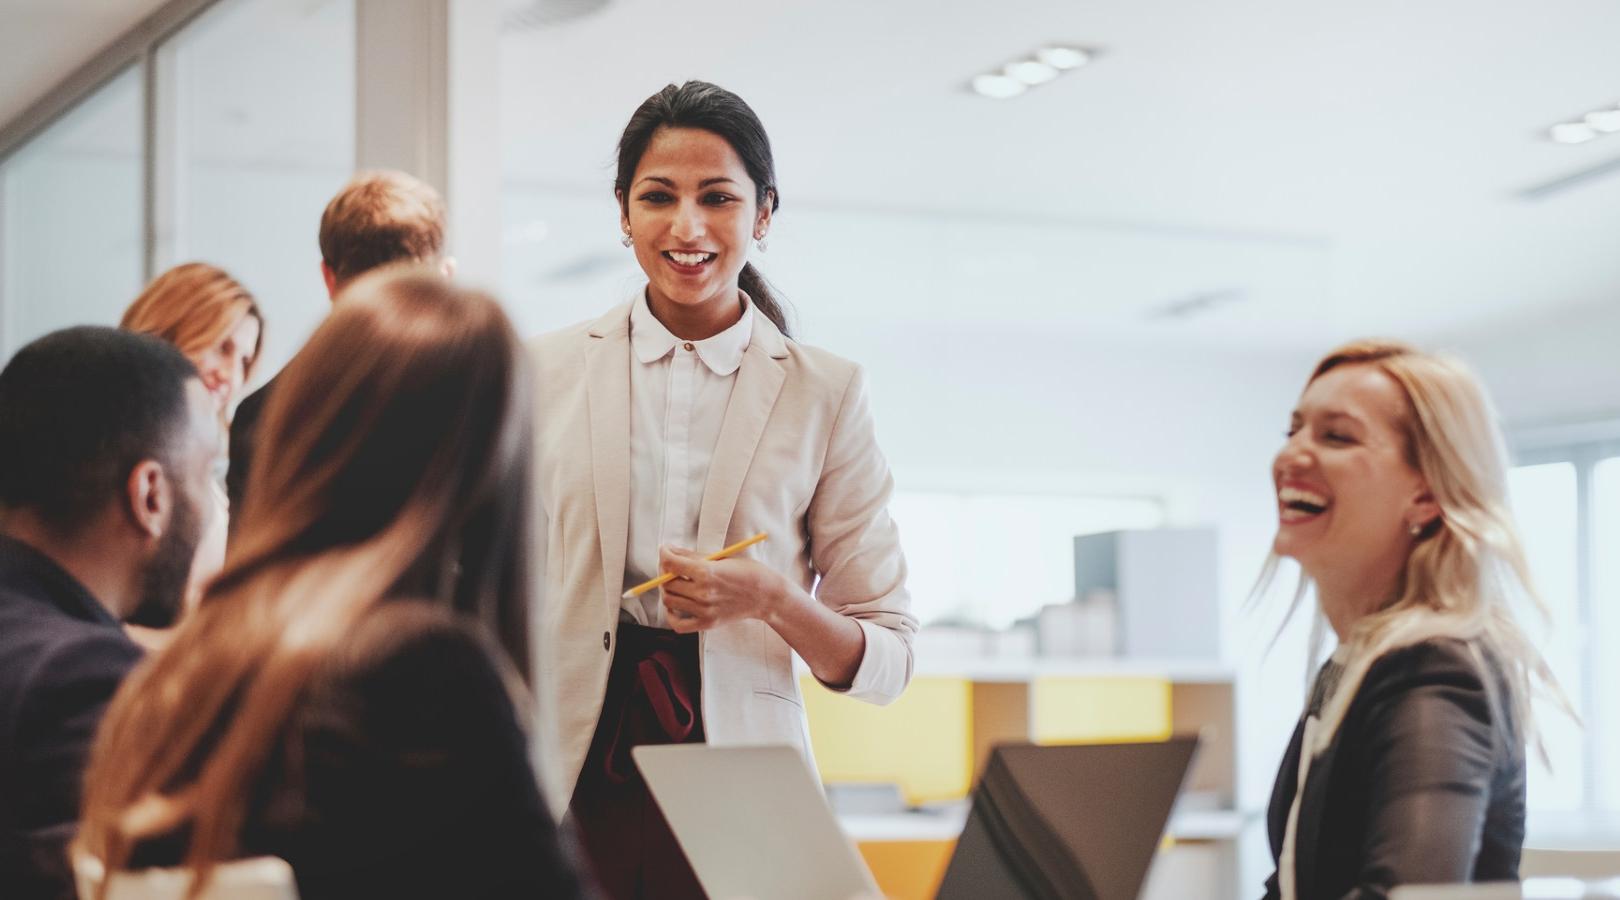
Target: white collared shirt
679,391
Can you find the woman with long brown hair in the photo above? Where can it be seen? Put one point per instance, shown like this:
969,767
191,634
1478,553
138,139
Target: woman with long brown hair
211,318
347,695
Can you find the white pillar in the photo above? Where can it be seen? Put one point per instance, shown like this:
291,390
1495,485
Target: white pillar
427,81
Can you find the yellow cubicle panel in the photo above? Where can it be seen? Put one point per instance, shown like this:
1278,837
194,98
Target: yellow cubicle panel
922,742
907,870
1085,709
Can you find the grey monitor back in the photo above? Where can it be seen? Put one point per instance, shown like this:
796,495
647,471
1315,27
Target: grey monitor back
1067,823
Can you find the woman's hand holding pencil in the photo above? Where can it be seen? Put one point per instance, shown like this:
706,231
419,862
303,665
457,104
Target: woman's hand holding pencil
702,592
668,576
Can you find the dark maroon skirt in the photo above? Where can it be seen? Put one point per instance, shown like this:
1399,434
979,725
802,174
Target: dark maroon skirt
653,696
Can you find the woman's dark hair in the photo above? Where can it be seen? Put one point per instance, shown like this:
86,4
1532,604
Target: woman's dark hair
699,104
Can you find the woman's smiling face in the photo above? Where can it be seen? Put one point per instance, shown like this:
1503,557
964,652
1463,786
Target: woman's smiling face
1348,493
691,212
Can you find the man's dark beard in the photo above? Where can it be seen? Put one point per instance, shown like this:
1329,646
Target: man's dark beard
163,584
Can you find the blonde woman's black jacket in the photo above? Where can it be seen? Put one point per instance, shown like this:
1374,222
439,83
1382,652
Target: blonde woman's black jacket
1424,782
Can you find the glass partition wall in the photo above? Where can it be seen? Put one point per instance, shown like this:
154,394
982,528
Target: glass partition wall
71,240
221,142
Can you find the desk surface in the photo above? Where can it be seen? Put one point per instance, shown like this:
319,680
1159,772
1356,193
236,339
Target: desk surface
944,823
1000,669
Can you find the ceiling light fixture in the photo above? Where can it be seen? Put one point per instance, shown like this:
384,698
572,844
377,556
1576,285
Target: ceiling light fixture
1572,132
1063,58
1595,124
1040,67
997,86
1031,71
1605,121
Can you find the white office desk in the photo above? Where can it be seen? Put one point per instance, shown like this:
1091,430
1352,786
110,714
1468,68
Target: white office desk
1532,889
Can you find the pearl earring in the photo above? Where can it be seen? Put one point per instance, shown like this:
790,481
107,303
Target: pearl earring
1416,529
762,243
627,240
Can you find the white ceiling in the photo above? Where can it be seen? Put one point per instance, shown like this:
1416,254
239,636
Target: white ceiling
1342,167
1324,169
44,41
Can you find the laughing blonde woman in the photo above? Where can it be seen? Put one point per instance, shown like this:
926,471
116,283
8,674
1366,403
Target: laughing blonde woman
1408,765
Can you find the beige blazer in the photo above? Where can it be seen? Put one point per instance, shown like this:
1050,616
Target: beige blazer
796,457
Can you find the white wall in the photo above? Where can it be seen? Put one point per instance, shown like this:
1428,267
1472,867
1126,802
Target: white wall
1563,368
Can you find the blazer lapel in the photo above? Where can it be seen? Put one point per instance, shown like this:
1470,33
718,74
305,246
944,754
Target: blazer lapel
759,382
1312,810
1283,790
607,378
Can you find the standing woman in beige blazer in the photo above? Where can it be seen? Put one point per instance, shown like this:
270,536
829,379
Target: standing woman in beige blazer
680,422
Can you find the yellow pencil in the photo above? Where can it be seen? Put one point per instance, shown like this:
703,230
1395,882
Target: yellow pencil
667,577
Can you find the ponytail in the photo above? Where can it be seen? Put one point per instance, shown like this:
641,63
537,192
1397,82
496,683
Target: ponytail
764,296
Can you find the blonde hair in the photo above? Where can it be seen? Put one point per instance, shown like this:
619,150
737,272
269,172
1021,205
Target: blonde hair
193,306
403,436
1467,568
378,218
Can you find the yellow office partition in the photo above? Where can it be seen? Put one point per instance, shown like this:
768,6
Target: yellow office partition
907,870
922,742
1085,709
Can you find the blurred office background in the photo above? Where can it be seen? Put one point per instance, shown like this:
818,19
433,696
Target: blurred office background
1084,308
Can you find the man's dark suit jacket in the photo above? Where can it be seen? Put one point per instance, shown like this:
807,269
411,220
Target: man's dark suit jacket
1423,783
244,434
62,655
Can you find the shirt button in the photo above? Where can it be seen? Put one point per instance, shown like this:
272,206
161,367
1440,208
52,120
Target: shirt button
688,346
607,640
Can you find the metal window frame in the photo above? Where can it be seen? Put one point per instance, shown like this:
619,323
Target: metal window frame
1584,455
135,49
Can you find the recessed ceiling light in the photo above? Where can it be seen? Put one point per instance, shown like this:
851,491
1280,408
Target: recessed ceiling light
1063,57
1606,121
1031,71
1572,132
1040,67
997,86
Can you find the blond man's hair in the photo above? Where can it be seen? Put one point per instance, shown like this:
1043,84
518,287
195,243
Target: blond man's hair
193,306
378,218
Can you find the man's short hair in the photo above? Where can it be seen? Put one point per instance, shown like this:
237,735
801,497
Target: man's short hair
79,408
378,218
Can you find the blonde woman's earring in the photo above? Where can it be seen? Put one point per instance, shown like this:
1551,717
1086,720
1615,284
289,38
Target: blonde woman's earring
627,240
1416,529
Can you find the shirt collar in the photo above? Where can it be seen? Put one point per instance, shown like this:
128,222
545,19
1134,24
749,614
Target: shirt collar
722,353
26,570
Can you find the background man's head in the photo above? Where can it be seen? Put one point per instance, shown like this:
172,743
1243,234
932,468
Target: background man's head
109,439
378,218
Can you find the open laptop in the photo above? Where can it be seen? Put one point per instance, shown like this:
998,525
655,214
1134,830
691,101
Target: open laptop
753,823
1075,822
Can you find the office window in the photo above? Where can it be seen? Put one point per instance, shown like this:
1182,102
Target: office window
258,106
992,559
71,236
1545,505
1604,633
1567,501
